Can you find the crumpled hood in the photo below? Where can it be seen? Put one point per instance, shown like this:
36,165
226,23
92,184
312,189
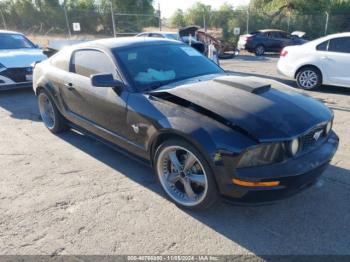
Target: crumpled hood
268,114
21,57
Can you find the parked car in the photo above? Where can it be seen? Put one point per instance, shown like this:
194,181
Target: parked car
323,61
198,39
206,133
192,41
269,40
17,54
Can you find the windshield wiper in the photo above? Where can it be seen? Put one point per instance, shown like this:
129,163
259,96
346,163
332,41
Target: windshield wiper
157,84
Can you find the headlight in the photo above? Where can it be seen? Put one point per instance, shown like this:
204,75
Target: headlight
328,127
294,146
262,155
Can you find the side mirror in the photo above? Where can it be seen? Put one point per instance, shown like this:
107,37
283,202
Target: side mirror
105,80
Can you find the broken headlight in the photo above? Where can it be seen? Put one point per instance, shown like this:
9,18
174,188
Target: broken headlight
261,155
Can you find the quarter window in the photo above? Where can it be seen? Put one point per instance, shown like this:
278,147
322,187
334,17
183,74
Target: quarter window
89,62
61,60
323,46
341,45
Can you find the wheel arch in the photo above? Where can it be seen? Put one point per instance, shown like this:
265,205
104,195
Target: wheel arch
172,134
309,65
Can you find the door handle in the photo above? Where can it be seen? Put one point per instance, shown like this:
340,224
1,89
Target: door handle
69,86
325,58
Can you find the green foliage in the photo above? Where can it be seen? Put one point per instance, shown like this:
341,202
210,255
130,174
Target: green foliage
199,14
178,19
289,15
45,16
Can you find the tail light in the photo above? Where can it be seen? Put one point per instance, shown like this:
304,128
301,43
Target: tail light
284,53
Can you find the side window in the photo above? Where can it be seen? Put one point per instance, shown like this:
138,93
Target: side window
323,46
341,45
156,35
282,35
275,35
89,62
61,60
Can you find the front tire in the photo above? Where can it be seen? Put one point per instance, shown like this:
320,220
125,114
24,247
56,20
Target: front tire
309,78
50,115
185,175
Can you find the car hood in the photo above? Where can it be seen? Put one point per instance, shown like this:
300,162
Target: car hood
21,57
263,112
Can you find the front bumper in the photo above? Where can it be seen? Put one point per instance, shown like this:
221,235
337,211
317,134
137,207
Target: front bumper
4,87
294,175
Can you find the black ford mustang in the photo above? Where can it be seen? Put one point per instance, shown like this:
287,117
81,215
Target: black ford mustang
206,133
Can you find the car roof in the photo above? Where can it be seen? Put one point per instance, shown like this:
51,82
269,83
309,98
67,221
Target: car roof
328,37
339,35
270,30
160,32
111,43
9,32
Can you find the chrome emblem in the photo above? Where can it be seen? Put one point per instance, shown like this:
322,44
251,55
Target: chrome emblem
318,134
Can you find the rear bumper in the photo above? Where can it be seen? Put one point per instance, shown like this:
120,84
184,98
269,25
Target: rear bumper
294,176
285,69
4,87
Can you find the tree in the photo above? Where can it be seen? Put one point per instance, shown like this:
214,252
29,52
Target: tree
141,14
178,19
198,14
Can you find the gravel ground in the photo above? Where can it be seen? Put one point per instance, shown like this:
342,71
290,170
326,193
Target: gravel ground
68,194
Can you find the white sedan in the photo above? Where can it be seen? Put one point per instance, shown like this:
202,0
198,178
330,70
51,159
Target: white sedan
324,61
17,55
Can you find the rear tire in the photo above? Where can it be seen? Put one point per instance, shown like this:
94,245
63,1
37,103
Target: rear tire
50,115
259,50
194,186
309,78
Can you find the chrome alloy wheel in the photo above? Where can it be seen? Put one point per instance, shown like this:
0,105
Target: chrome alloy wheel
308,79
182,176
46,111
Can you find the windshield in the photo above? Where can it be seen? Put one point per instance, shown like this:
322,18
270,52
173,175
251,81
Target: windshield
149,67
14,41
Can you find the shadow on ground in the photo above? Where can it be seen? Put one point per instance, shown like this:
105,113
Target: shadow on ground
252,58
21,103
312,222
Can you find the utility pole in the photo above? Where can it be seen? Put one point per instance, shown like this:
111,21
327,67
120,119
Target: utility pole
113,21
327,20
289,14
159,18
248,14
204,23
67,22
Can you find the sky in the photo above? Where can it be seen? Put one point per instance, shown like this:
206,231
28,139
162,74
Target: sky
168,7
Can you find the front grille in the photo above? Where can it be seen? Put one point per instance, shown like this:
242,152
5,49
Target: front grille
310,139
17,74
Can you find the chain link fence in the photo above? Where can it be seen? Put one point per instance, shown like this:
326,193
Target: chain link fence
99,22
107,21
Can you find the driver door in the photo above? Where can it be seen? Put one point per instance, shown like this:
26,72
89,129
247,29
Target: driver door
99,109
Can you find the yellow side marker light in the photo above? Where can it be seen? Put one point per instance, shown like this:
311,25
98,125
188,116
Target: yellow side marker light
255,184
